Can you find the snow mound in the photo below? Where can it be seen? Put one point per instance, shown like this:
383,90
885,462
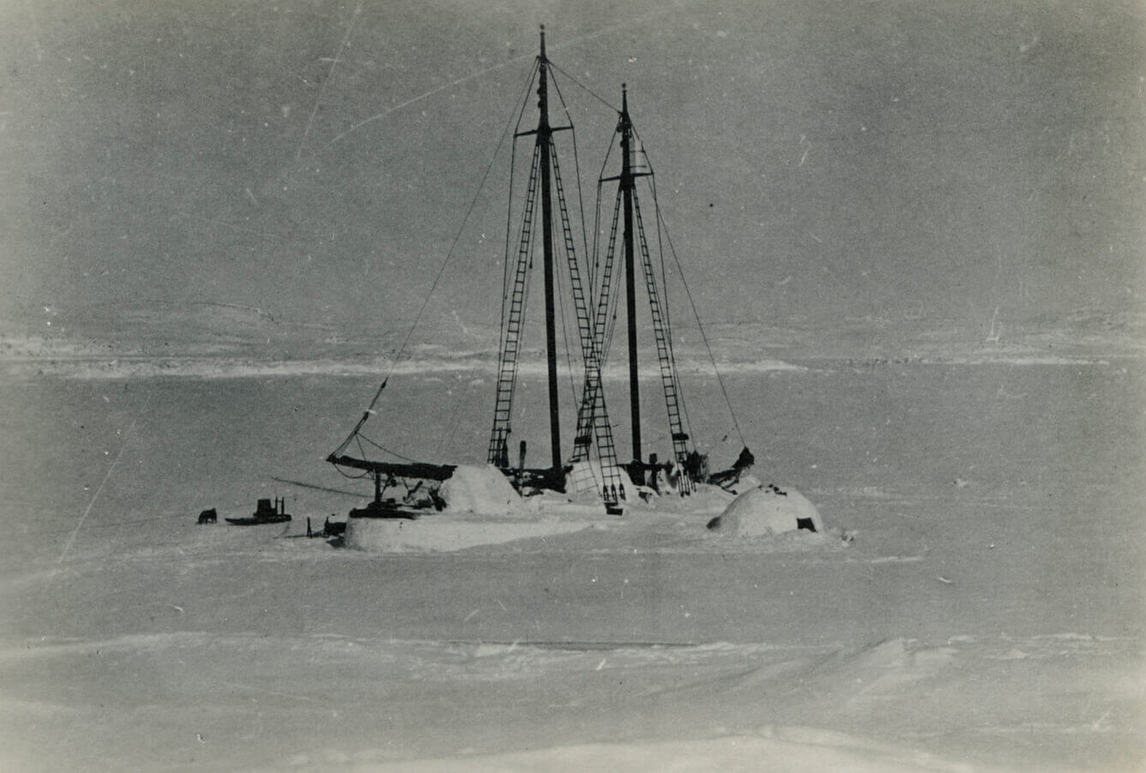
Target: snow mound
767,511
481,489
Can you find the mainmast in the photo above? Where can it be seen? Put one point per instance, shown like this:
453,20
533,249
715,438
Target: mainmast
544,144
627,218
626,187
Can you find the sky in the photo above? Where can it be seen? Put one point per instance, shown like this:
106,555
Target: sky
178,172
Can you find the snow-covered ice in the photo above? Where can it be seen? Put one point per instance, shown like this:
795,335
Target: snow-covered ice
992,625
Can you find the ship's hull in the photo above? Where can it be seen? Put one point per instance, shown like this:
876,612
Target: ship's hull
281,518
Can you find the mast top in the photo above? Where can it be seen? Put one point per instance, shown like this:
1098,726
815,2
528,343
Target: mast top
543,41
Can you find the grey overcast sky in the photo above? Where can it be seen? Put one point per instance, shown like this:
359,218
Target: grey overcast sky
821,164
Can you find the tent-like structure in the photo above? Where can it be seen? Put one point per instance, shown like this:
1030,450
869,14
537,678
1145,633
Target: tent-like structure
767,510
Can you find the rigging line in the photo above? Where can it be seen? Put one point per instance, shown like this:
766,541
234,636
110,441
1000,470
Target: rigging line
526,248
570,260
508,220
381,447
613,301
608,153
505,263
455,418
362,451
565,335
703,335
102,483
662,228
594,256
662,291
412,100
441,269
523,264
349,476
561,99
561,300
590,91
665,305
576,171
492,68
614,314
597,217
652,185
524,256
581,214
664,283
523,99
365,416
329,76
315,486
660,249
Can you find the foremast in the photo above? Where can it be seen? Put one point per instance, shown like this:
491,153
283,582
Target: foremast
626,186
544,146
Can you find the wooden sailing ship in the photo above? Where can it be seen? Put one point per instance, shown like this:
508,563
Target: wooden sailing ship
545,217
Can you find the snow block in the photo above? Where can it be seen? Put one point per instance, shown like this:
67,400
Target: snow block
481,489
443,533
585,480
766,511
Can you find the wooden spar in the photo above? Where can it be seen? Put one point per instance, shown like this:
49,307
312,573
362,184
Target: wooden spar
544,143
626,185
422,470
